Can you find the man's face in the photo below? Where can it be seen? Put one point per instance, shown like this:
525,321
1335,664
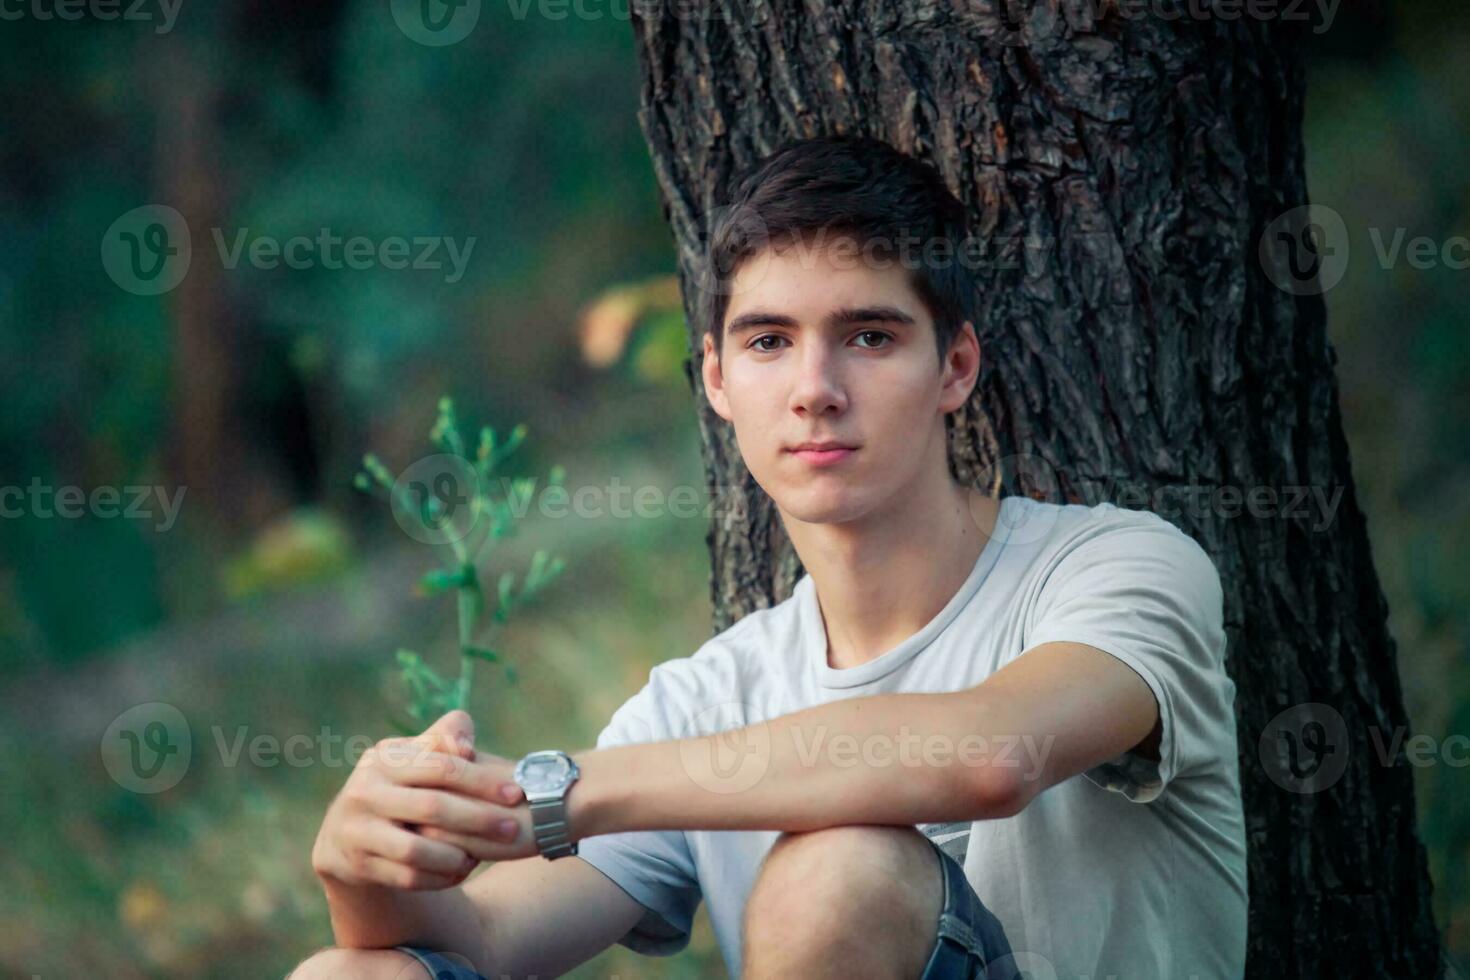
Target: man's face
825,345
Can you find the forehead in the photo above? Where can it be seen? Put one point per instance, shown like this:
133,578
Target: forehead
807,281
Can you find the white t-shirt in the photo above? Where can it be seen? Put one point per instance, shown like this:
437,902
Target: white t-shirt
1133,868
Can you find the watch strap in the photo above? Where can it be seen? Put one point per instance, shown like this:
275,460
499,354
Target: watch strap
552,831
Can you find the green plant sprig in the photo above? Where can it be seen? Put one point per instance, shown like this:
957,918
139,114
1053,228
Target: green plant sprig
430,693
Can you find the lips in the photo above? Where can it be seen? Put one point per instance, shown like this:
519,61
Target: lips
832,454
820,447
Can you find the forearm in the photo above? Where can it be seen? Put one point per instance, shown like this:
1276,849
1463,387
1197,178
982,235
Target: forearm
890,759
376,917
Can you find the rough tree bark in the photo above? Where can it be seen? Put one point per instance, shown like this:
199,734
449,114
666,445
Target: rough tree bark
1125,168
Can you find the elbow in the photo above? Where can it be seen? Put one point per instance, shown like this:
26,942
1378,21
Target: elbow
1001,791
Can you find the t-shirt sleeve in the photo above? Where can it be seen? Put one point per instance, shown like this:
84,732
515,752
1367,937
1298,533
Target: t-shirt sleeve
1147,593
655,867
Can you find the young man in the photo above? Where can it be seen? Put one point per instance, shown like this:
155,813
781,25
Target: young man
982,737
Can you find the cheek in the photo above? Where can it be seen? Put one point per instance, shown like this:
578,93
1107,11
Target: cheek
752,396
736,374
908,391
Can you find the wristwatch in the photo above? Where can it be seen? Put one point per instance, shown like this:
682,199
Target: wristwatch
546,776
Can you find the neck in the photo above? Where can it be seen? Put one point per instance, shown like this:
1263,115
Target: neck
880,579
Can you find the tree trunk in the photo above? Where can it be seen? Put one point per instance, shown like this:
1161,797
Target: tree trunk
1124,170
204,454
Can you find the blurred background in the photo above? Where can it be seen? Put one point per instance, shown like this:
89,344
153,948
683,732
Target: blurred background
247,582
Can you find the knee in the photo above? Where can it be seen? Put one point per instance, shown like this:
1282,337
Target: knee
360,964
842,877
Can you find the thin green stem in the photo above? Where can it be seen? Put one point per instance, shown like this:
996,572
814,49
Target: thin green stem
466,595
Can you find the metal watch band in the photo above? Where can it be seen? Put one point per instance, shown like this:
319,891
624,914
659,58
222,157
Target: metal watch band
549,822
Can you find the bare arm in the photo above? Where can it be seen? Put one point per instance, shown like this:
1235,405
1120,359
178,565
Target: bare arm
380,917
978,753
387,885
542,918
522,918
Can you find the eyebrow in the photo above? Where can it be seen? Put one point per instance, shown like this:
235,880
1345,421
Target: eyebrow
837,318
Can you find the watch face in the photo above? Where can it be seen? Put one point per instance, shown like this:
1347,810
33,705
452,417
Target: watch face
543,773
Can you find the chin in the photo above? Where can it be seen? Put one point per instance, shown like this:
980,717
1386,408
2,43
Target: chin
827,503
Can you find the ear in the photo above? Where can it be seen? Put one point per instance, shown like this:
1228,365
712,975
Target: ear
961,369
714,380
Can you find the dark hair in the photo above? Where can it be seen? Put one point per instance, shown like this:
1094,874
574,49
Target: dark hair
854,186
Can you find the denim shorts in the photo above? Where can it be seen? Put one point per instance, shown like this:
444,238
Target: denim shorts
969,944
440,966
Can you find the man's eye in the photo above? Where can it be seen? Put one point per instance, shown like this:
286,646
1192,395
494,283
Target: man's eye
755,344
875,333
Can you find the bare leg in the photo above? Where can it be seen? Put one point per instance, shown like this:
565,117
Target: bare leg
850,901
335,963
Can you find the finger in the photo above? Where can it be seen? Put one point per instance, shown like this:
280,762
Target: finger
403,750
395,875
409,755
388,840
437,808
496,848
414,765
453,732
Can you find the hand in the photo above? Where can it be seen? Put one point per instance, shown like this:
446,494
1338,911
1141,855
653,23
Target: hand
436,782
498,847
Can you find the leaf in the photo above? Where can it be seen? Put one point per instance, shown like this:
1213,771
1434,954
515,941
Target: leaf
445,433
541,574
485,455
506,579
441,580
494,455
524,486
377,470
516,435
415,682
482,653
419,675
416,709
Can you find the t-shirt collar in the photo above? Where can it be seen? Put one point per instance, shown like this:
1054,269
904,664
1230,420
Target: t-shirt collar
814,633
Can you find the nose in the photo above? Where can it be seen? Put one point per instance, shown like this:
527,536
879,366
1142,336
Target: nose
818,386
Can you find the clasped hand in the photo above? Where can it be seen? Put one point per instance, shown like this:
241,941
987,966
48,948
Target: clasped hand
421,813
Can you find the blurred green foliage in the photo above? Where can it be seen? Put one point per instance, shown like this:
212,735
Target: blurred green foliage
521,138
288,119
1386,139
